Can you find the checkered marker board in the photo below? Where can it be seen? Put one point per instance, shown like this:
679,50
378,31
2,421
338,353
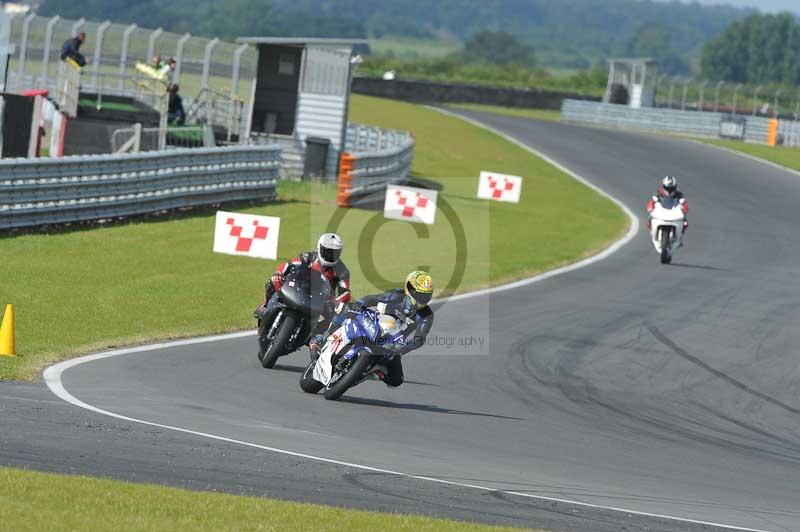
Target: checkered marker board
499,187
246,234
410,204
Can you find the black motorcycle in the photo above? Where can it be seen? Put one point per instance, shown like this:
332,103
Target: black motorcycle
292,314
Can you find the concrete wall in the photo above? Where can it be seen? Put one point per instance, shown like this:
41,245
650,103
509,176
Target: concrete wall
659,119
440,92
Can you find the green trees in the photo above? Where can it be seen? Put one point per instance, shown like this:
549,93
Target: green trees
227,20
572,34
758,49
497,48
655,41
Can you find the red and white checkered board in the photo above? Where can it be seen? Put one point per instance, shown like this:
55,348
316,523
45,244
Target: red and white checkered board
246,234
410,204
499,187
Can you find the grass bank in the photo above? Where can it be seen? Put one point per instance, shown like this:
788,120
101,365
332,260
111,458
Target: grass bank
33,501
89,289
788,157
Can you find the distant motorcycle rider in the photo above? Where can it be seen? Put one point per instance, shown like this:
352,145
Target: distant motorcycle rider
409,306
669,189
326,259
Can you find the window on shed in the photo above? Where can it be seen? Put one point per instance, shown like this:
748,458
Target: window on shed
286,65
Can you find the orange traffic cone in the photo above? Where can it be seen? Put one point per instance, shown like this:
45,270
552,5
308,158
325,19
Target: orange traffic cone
7,333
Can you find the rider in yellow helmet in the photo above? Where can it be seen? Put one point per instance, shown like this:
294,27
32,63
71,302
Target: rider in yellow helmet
410,306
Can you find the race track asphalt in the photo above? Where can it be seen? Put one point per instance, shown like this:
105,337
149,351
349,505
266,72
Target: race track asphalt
670,390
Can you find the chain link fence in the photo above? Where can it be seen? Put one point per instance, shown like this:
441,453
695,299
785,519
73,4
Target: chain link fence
688,94
114,49
214,76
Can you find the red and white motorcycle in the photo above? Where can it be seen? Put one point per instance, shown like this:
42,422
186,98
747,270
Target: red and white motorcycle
667,223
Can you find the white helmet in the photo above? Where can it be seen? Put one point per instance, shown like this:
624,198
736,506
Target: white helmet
329,249
669,184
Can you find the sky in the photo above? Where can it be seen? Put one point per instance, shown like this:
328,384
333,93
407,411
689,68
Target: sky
763,5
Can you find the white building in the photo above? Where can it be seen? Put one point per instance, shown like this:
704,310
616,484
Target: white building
301,90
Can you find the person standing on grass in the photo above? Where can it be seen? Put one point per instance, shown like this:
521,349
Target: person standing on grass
71,49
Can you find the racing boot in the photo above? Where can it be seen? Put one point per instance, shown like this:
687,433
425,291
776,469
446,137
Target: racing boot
260,312
685,227
380,373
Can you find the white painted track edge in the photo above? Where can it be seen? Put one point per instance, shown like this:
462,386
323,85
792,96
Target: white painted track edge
53,374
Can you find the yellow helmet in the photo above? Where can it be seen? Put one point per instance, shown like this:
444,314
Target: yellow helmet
419,288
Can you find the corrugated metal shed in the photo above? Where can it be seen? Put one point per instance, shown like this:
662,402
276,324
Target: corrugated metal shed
321,116
301,41
314,94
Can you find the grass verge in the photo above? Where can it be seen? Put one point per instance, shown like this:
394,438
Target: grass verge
413,48
546,115
43,501
87,289
109,105
788,157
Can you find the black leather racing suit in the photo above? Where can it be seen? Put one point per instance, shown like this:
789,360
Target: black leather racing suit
417,323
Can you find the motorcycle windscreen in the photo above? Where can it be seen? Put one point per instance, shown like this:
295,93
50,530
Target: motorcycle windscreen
364,325
668,202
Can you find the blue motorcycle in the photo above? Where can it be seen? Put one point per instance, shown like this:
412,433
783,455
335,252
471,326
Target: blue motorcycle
353,353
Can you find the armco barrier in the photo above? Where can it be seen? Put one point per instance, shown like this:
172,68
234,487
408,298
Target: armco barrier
361,139
365,138
659,119
52,191
364,172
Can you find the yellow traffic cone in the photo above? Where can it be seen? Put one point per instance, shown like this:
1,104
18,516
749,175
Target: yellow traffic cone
7,332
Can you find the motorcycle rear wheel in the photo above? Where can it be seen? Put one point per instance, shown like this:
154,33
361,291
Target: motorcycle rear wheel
357,369
277,347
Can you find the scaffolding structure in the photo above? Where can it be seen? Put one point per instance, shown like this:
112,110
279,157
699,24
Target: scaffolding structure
631,81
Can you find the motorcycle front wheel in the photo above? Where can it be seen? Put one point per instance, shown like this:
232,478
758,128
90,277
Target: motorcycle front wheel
307,381
665,245
277,347
356,370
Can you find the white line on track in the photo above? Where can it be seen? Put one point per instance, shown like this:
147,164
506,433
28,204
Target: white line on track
744,155
633,229
53,374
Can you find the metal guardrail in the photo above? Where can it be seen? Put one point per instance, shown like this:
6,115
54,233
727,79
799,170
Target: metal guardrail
789,133
363,138
393,163
365,172
706,124
53,191
380,152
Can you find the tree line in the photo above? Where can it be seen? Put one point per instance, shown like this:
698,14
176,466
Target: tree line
759,49
575,34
